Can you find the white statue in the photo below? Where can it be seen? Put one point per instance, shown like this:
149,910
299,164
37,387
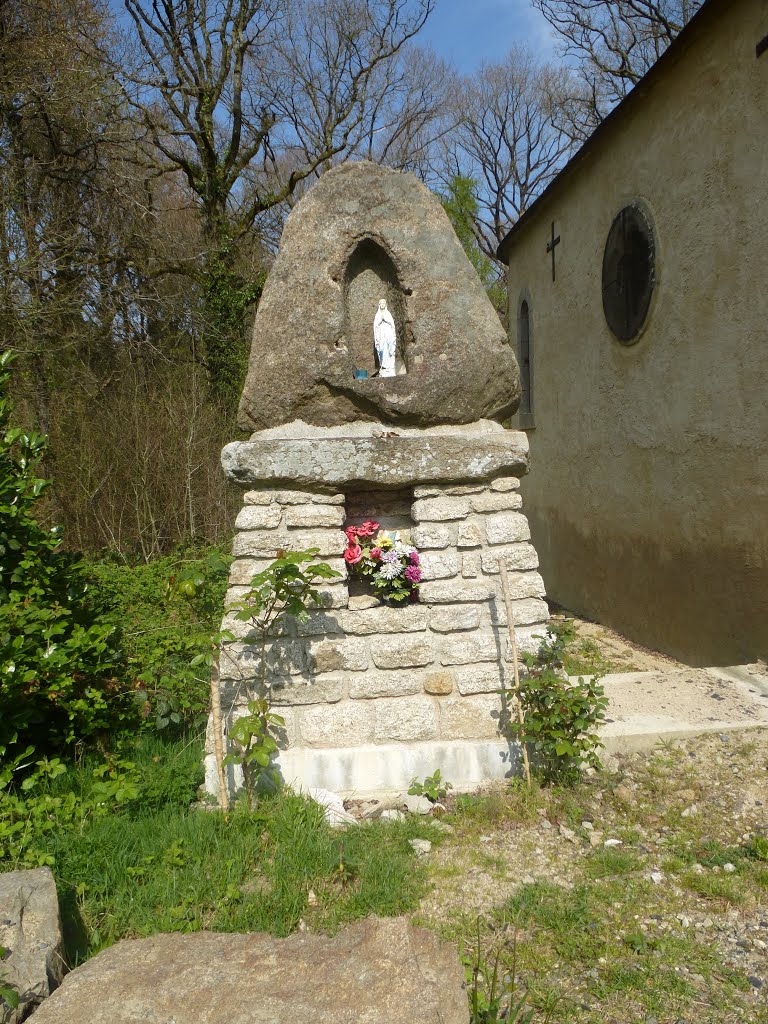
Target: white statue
385,340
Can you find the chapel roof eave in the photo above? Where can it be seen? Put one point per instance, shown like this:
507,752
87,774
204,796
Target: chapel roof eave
670,55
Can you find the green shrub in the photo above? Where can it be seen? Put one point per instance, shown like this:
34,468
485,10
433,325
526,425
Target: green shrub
60,663
35,804
167,610
560,717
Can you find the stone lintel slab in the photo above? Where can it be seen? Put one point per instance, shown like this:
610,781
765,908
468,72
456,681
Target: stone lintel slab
381,459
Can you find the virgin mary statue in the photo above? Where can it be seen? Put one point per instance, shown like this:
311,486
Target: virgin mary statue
385,340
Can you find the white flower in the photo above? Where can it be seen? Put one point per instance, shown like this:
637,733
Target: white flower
390,571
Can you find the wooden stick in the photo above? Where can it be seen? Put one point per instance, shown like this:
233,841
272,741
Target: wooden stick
513,638
218,746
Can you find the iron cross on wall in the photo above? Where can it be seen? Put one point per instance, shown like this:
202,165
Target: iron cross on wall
551,248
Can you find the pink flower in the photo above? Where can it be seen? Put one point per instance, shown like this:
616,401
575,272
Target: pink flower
376,554
413,558
351,532
353,554
413,574
367,529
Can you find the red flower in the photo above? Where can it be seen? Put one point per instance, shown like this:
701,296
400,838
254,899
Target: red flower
367,529
351,532
353,554
376,554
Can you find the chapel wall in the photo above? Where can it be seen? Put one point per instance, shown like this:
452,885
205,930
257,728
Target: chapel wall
372,694
648,489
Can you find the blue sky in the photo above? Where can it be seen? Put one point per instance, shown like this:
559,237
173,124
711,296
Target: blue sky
467,32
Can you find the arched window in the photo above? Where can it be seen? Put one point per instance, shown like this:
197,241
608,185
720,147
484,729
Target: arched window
526,369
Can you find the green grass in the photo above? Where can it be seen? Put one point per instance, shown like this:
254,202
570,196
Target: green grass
156,865
514,803
608,861
615,946
585,933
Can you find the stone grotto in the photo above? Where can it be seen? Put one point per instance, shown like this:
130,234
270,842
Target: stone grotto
374,694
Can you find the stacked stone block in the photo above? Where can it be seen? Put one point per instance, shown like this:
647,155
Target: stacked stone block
362,674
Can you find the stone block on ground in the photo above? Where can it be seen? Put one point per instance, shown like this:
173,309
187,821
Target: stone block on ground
30,933
376,971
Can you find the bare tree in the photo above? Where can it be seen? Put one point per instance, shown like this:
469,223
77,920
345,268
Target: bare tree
226,89
247,99
506,141
614,43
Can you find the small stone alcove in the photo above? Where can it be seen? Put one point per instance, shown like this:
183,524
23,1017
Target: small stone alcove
390,509
371,275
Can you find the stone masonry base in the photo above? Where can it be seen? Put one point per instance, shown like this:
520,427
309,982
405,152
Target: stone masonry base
374,695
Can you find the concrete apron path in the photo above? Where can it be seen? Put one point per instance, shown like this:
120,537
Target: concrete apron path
645,708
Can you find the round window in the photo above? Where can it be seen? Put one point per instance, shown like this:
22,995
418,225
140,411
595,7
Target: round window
628,273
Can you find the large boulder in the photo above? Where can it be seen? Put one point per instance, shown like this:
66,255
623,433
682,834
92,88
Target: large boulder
363,233
30,934
374,972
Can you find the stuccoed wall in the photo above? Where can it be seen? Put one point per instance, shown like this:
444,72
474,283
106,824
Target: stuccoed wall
373,695
648,490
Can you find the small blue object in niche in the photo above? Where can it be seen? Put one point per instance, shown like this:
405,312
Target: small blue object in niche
360,374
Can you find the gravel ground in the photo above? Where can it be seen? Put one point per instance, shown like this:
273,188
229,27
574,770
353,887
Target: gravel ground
679,835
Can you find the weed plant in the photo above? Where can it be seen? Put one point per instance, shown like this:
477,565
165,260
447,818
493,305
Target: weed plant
560,717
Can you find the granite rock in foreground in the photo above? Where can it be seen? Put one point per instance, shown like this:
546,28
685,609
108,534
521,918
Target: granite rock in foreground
377,971
30,933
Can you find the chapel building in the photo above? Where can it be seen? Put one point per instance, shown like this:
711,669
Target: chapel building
638,305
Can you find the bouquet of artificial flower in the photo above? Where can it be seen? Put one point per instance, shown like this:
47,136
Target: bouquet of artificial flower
390,565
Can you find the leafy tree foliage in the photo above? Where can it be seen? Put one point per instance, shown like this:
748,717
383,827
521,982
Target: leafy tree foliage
59,665
461,204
